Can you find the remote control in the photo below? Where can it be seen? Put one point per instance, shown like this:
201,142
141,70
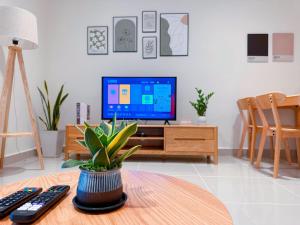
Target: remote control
13,201
33,209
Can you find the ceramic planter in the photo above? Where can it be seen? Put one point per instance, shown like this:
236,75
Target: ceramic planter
52,142
201,120
99,188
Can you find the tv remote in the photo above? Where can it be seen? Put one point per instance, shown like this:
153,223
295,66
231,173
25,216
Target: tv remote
33,209
14,200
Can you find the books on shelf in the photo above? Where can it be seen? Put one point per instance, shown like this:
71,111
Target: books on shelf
82,112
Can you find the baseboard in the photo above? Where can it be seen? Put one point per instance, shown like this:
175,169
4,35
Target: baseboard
19,156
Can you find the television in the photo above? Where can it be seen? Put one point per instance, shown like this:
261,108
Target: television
139,98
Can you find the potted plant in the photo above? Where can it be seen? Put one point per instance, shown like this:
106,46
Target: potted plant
52,139
201,105
100,182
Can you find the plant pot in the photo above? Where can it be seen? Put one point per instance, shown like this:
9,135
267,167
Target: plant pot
52,142
201,120
99,188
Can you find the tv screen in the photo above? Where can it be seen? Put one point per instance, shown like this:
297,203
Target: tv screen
145,98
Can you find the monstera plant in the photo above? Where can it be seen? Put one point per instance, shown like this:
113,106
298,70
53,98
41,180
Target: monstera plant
102,172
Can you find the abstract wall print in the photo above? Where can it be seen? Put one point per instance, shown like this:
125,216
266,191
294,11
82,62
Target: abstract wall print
283,47
149,21
125,34
97,40
149,47
174,34
258,47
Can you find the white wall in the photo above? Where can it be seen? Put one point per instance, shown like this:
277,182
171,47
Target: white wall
217,58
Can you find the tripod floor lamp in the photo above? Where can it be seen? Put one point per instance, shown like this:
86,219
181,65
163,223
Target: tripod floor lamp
18,31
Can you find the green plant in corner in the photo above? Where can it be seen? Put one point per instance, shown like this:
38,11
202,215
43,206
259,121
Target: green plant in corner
201,104
104,143
51,117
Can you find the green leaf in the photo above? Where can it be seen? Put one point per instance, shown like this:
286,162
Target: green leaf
63,99
46,86
56,109
120,140
128,153
101,158
113,127
71,163
106,127
44,105
82,143
92,141
43,121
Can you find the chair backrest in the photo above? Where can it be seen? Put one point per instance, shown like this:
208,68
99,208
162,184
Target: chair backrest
247,105
270,101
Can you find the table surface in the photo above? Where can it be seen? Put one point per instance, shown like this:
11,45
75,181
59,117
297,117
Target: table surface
152,199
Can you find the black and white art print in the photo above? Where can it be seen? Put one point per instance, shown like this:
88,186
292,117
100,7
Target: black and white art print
174,34
97,40
125,34
149,47
149,21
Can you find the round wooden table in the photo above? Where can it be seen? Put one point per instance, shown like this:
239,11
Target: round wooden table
152,199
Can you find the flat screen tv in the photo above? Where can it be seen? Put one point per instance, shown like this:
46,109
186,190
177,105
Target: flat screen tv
143,98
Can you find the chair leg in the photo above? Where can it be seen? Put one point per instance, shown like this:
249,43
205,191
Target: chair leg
261,147
272,147
298,150
287,151
240,151
277,155
252,147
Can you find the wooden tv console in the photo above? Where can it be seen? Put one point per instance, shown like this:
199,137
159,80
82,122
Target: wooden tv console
160,140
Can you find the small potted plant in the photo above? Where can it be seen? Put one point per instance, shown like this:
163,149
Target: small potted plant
100,182
201,105
52,139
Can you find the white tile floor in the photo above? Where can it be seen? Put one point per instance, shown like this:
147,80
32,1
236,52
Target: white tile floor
252,196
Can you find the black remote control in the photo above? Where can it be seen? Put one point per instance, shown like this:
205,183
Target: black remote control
33,209
14,200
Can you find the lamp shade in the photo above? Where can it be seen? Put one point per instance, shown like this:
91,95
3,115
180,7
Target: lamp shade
20,25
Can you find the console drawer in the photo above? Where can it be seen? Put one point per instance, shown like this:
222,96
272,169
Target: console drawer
198,133
190,145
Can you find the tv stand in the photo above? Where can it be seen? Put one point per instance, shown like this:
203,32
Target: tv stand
167,122
159,141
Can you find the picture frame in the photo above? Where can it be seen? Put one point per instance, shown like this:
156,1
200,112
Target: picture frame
125,34
97,40
149,21
180,24
149,45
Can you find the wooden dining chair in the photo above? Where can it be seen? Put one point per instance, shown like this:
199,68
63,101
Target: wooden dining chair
247,112
281,134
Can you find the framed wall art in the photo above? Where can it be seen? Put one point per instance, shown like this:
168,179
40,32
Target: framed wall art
149,21
149,47
258,47
125,34
283,47
174,34
97,40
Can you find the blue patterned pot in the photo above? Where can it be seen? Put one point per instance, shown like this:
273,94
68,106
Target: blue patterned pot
99,188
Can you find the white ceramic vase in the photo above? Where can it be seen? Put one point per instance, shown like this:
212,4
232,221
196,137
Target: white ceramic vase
201,120
52,142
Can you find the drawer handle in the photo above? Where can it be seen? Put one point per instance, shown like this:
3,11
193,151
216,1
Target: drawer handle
189,139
